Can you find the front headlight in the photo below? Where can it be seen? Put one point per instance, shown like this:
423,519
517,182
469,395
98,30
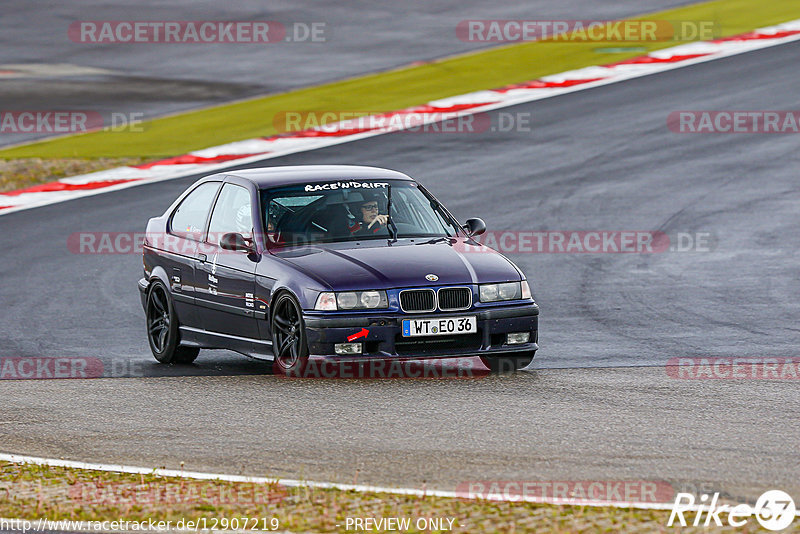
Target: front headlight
347,301
373,299
498,292
352,300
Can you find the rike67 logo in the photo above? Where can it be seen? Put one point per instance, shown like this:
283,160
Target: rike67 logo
774,510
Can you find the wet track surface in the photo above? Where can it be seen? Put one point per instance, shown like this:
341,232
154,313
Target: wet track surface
156,79
601,159
554,425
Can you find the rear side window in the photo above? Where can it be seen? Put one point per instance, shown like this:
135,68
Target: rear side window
232,213
189,219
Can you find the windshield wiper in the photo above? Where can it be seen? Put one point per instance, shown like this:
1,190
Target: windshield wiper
436,240
390,223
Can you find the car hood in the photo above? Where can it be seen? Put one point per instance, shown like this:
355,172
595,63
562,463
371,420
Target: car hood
373,266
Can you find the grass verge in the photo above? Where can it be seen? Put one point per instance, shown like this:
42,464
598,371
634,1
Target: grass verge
385,91
32,492
25,172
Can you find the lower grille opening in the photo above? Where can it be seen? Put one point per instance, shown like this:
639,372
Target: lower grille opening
436,344
498,339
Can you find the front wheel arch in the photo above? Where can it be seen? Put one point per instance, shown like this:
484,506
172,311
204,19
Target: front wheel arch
297,364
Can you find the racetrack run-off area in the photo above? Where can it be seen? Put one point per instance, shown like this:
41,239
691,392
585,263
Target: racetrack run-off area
661,251
565,419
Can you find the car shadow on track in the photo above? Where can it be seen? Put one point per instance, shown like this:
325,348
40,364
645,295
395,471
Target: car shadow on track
225,363
209,363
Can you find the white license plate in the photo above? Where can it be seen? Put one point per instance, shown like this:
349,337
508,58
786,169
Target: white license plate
439,326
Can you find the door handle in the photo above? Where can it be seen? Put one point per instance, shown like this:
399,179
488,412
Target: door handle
201,257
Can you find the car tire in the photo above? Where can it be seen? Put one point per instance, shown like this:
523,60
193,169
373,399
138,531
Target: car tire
508,364
162,327
289,344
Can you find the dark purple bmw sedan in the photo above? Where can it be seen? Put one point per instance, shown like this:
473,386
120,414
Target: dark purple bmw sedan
340,262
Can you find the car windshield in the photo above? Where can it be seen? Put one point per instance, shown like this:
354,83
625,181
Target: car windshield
351,210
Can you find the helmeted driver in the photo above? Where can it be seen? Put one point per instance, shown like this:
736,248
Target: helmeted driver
368,219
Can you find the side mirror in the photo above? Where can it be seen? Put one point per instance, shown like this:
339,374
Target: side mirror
475,227
234,241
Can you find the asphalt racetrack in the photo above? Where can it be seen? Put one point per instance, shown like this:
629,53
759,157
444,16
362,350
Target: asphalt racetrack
597,403
153,79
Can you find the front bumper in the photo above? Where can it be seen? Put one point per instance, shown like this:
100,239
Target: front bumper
384,338
142,285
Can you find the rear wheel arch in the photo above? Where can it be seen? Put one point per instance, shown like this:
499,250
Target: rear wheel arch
159,273
162,325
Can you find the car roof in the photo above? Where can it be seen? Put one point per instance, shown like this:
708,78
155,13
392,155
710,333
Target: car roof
266,177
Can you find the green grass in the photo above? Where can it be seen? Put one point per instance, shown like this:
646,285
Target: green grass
24,172
385,91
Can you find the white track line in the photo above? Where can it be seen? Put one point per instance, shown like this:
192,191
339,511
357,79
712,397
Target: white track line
114,468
